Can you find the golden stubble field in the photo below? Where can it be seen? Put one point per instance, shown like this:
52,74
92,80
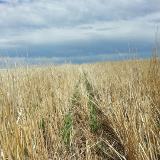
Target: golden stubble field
108,110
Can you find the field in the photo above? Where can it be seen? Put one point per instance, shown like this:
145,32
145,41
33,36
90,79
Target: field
107,110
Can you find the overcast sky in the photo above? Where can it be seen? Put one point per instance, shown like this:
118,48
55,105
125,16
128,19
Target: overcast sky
77,30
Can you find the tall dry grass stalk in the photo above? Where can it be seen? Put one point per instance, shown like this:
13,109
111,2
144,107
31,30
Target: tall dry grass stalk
40,104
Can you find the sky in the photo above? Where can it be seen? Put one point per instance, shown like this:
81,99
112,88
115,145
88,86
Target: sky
77,31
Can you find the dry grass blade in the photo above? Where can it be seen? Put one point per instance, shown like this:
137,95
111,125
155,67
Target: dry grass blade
121,157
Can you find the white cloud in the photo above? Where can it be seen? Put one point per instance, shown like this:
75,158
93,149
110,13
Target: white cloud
139,28
62,13
61,21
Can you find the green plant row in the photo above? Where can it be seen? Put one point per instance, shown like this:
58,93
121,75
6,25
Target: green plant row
93,122
66,129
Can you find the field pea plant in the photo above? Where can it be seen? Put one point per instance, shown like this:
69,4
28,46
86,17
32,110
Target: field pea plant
105,110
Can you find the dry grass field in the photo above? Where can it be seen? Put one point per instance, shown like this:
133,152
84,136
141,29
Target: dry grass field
108,110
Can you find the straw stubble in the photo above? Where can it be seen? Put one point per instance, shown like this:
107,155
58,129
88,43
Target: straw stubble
35,102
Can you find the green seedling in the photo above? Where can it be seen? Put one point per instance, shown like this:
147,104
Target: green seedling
75,95
93,123
100,149
66,130
42,124
60,149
